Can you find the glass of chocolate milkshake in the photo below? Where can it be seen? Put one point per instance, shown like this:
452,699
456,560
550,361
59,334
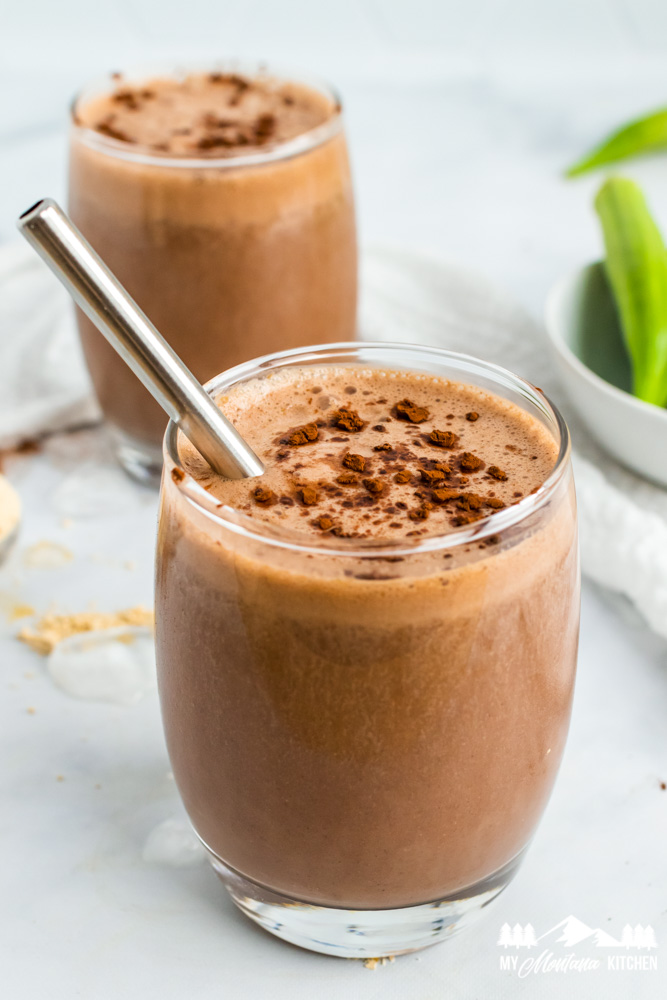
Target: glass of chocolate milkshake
223,202
366,657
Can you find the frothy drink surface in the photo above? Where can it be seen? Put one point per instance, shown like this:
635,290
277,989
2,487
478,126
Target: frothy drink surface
216,114
368,731
368,453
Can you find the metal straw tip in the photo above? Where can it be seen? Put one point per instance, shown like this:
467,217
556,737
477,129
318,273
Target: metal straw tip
33,209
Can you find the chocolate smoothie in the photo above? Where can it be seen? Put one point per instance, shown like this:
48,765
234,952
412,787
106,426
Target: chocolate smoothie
366,657
224,204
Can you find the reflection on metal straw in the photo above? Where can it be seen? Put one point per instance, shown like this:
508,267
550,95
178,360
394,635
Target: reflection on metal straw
104,300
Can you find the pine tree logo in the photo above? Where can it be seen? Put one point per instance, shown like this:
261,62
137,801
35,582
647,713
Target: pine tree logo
517,936
505,939
638,937
572,931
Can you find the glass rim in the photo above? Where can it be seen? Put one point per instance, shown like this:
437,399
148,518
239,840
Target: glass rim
136,153
491,524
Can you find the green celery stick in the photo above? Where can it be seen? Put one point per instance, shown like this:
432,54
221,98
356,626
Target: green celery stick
636,266
644,135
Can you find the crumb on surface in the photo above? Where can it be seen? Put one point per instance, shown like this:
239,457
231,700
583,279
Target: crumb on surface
20,610
47,555
373,963
52,628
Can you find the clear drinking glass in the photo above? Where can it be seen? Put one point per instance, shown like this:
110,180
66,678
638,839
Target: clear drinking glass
230,256
365,734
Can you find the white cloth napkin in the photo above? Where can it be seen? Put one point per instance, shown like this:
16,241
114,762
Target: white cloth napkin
405,297
44,385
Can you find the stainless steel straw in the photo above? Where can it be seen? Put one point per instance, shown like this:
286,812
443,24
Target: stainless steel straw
104,300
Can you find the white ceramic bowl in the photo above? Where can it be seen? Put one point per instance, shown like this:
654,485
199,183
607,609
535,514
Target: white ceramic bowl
594,367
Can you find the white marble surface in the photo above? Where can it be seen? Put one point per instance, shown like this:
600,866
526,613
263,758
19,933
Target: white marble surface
460,118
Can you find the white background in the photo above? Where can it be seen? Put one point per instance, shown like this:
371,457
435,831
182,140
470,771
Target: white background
461,116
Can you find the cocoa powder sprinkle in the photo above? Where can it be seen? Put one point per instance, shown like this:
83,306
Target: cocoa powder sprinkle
302,435
407,410
126,97
466,518
347,420
435,475
347,479
374,486
443,495
443,439
264,127
470,462
308,495
470,501
264,497
113,133
355,462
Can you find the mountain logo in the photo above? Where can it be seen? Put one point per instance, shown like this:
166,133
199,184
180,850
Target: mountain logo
571,932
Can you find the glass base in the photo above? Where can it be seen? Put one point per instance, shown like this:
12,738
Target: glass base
142,461
362,933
